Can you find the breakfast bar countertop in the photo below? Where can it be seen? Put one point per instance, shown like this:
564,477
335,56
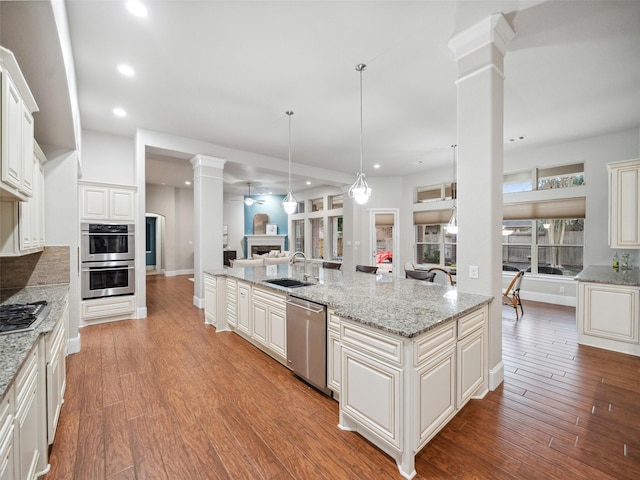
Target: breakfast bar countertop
606,274
395,305
15,347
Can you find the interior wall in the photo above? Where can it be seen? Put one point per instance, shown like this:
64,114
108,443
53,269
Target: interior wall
107,158
184,230
233,218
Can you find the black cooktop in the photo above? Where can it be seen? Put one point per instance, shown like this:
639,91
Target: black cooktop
16,318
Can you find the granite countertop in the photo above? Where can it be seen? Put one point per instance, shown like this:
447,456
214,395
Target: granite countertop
606,274
15,347
396,305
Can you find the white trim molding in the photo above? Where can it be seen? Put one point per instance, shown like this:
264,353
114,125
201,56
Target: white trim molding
73,345
496,376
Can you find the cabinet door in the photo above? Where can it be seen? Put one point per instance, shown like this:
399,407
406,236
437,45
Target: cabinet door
370,393
232,302
121,205
435,398
278,331
244,324
7,461
609,311
259,322
28,428
210,300
12,144
28,167
333,360
94,203
624,199
26,225
471,365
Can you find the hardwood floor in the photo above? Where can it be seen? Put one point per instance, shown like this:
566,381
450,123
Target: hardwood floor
168,398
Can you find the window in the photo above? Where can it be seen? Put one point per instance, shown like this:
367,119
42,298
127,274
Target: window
434,245
300,208
317,204
335,201
317,237
298,235
562,176
433,193
543,246
335,246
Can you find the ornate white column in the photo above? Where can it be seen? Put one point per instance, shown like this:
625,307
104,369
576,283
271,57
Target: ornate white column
479,52
207,219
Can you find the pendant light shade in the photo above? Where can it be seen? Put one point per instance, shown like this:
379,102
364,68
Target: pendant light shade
289,203
360,191
452,226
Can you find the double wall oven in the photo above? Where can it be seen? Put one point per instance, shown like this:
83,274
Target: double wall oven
108,259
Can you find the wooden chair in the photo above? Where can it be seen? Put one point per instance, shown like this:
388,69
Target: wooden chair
442,276
423,275
366,269
332,265
512,295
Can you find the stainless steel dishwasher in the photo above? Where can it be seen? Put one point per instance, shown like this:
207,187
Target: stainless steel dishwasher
307,341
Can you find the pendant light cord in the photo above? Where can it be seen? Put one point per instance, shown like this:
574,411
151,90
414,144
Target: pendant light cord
289,113
360,68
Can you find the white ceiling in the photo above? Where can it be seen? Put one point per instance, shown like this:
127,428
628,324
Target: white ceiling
225,72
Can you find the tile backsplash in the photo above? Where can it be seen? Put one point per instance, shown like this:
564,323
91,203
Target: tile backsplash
49,267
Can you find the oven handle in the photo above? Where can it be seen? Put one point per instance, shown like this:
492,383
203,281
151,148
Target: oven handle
130,234
111,269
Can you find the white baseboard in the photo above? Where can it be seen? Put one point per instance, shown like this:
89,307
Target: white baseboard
496,376
565,300
198,302
173,273
74,345
141,312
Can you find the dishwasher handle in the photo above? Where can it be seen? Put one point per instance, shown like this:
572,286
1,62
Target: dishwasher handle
304,307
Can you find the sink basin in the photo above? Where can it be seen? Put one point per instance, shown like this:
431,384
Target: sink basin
287,282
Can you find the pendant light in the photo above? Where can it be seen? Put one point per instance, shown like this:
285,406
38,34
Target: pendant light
289,203
360,191
452,226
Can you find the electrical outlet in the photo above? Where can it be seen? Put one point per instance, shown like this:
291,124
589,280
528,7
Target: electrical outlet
473,271
561,289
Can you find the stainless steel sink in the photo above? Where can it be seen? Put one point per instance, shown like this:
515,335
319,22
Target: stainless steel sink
287,282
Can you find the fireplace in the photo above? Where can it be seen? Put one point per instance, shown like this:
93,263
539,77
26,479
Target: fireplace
262,249
264,243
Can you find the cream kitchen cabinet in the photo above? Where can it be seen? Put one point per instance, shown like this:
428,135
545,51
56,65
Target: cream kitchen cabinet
55,358
624,204
244,301
17,106
108,203
7,460
472,355
269,321
215,301
609,316
232,302
333,353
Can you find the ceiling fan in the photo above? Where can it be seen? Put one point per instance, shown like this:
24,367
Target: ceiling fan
249,200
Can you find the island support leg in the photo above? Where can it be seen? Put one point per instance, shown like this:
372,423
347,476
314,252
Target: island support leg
407,464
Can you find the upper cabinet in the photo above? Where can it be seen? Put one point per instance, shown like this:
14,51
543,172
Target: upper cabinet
17,106
109,203
624,204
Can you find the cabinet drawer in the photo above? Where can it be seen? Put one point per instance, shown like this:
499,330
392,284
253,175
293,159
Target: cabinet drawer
6,415
108,307
27,373
372,342
270,298
471,322
434,342
333,321
53,340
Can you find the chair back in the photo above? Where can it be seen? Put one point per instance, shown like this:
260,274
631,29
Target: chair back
332,265
366,269
423,275
409,266
442,276
514,286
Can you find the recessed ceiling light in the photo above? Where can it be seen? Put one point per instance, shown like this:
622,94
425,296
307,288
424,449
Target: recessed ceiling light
126,70
308,182
187,182
376,165
119,112
137,9
270,193
163,183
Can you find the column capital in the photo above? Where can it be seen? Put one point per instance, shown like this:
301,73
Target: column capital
200,160
493,29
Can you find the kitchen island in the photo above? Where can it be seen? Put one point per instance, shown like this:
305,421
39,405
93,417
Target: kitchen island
404,356
608,309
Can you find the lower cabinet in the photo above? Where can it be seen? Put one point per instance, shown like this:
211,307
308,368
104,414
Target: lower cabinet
123,306
210,300
333,353
56,352
7,460
608,316
232,302
269,321
244,298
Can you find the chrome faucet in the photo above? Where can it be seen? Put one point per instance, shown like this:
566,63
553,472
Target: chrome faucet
304,257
